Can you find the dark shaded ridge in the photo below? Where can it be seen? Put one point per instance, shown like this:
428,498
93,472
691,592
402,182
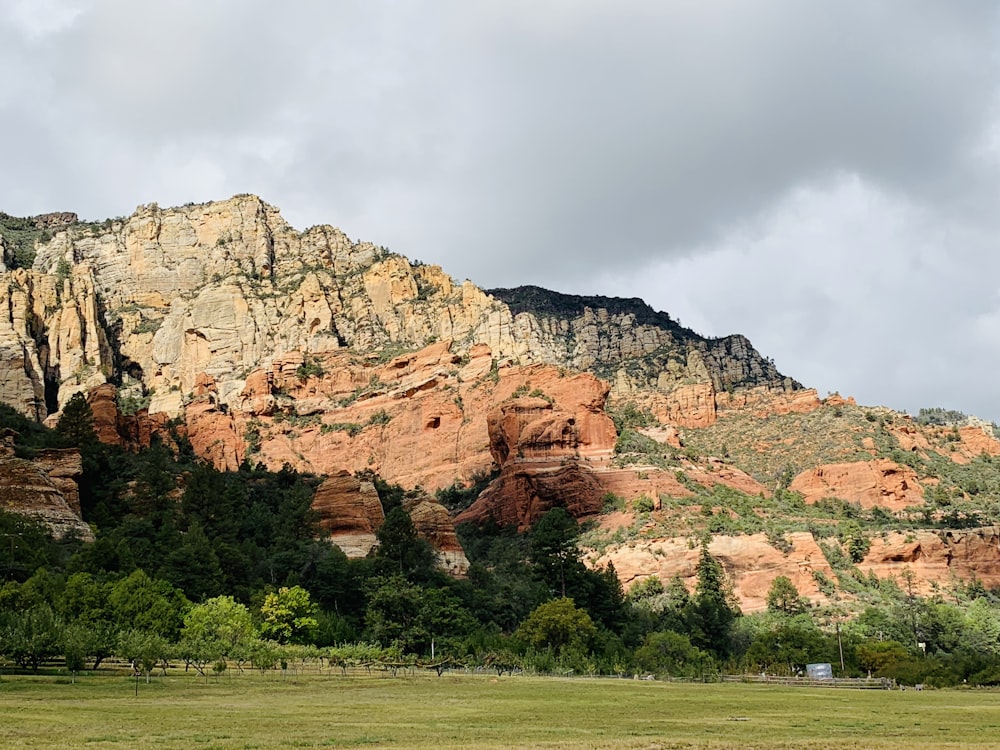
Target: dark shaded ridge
535,299
752,370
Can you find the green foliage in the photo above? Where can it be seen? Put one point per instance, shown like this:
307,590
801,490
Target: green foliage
643,504
146,650
788,647
825,585
630,416
63,270
148,605
460,495
148,325
25,546
648,588
20,237
311,367
379,418
288,615
400,550
351,428
553,547
558,625
668,653
31,636
129,403
713,608
613,503
218,630
76,423
414,617
252,437
784,597
940,417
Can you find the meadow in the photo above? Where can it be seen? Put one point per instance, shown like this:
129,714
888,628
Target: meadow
256,710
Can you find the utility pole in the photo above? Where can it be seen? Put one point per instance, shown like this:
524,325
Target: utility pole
840,647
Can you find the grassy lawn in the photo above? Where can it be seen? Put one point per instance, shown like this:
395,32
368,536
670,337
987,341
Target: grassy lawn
254,711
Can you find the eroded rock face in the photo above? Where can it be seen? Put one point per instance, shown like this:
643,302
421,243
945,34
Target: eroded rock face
936,557
350,513
432,522
930,558
226,287
523,493
45,489
546,448
751,563
879,483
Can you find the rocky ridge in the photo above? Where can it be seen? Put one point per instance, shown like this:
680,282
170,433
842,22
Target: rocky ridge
153,301
258,342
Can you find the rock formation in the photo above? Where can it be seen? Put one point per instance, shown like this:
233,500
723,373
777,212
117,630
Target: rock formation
751,563
44,489
155,300
350,513
432,522
222,324
879,483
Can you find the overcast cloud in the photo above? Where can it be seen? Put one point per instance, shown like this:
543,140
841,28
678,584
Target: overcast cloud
823,177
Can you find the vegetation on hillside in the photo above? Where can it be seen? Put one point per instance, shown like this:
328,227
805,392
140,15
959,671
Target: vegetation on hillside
221,569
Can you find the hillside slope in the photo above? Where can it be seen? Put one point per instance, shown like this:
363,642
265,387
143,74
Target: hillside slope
257,342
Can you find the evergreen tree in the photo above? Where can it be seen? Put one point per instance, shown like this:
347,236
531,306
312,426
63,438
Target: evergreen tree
712,610
553,549
76,424
400,550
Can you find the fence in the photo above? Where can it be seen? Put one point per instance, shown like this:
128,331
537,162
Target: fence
858,683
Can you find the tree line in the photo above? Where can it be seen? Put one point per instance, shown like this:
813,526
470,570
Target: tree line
220,569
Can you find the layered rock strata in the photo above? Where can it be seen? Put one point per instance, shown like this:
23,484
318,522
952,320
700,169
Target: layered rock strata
44,489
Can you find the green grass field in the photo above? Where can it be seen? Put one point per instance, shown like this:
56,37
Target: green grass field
462,711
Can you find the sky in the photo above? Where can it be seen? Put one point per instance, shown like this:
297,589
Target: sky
822,177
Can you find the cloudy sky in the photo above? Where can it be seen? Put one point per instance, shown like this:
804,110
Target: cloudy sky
823,177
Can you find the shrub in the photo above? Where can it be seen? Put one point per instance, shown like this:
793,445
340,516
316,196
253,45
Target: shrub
311,367
643,504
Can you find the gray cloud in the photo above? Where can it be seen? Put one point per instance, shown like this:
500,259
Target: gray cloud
820,176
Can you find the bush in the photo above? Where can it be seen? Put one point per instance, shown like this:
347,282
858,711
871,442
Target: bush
311,367
643,504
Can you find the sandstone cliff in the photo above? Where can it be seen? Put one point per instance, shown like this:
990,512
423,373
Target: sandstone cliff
256,341
153,301
44,488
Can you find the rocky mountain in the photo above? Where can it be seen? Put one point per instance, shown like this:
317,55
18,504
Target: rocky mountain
255,341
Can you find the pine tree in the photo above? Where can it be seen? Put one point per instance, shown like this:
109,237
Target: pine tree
76,424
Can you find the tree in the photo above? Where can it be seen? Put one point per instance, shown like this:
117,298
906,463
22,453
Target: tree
289,616
877,657
217,630
391,616
553,548
667,652
712,611
193,565
144,649
792,644
400,550
557,624
142,603
982,627
76,644
30,637
648,588
85,607
784,597
76,424
25,544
